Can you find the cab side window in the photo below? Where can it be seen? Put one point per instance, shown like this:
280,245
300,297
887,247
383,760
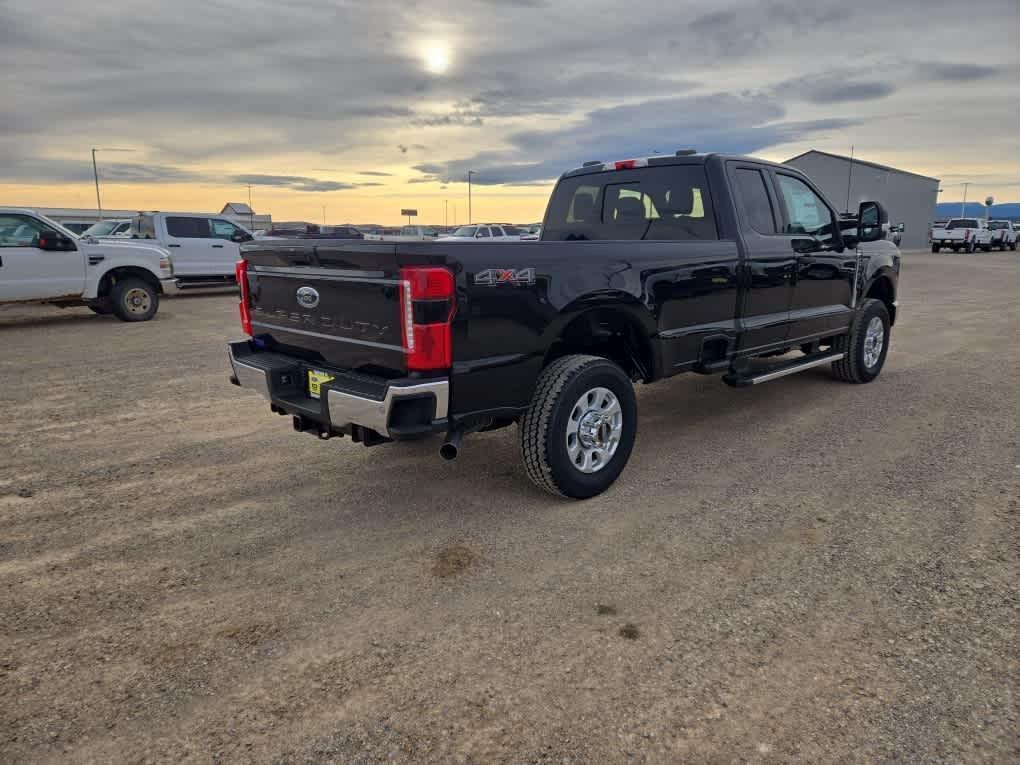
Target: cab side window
806,213
21,231
753,193
187,228
223,229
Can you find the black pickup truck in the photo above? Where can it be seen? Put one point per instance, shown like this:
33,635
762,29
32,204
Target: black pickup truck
646,268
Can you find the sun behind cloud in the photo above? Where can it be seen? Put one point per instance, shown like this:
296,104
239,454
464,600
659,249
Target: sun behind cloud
437,57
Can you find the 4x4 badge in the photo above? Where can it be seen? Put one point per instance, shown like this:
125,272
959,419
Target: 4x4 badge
493,277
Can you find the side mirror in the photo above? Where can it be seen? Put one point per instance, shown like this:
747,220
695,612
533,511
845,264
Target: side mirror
872,222
241,237
54,242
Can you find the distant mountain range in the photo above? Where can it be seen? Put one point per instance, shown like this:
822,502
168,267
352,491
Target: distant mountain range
1008,210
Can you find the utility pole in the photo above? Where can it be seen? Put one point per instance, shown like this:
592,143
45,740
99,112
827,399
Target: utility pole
251,211
470,173
963,204
454,213
95,173
324,215
446,213
850,178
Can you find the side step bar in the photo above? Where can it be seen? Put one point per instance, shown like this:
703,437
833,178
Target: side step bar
775,371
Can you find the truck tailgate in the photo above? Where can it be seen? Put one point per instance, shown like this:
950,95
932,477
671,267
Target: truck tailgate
334,302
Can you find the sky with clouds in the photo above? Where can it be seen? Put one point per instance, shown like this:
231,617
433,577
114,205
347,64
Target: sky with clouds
367,107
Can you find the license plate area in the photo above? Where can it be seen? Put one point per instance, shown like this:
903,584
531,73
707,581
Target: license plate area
316,379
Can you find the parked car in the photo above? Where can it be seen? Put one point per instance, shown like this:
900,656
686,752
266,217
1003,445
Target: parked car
967,234
43,262
532,233
646,268
76,227
108,228
487,232
205,248
341,232
896,233
1004,233
311,231
410,233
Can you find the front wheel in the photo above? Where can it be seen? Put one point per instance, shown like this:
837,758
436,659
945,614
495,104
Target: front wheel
577,435
865,346
134,300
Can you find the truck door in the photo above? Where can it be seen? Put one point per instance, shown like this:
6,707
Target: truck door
197,250
29,273
824,278
227,247
769,264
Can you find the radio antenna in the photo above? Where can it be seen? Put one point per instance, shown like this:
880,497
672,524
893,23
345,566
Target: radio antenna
850,177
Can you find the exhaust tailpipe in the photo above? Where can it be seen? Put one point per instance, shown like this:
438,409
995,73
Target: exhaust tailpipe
451,446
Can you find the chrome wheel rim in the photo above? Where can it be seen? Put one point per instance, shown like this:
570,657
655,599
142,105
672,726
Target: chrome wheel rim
874,340
137,301
594,430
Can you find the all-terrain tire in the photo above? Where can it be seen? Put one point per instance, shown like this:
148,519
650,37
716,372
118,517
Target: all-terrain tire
854,366
543,428
134,300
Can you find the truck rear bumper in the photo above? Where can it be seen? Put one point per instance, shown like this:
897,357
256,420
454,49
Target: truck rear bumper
350,403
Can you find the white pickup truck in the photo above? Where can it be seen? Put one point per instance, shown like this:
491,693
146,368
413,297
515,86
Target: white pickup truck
205,248
43,262
1004,233
967,234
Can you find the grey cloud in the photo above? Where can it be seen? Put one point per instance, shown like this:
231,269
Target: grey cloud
296,182
948,72
721,123
457,117
374,172
833,88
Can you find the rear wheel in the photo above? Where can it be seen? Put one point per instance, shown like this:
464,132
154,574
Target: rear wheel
577,435
935,248
865,346
134,300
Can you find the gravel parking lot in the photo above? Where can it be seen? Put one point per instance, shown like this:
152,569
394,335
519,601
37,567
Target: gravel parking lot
805,570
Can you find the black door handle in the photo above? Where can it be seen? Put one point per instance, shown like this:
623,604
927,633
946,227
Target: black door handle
217,246
173,245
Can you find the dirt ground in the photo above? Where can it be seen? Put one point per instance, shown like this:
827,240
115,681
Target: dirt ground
805,570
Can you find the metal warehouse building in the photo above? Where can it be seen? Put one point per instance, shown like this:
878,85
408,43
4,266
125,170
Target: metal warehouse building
910,198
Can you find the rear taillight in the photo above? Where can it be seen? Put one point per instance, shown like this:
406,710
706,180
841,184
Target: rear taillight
241,272
427,304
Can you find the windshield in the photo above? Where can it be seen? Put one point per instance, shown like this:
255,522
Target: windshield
102,228
997,225
468,231
962,223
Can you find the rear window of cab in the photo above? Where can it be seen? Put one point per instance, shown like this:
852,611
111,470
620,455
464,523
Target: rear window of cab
654,203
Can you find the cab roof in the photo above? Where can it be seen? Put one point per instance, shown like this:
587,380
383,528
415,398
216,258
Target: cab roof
682,157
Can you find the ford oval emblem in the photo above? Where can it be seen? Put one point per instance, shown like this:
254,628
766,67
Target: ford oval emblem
307,297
